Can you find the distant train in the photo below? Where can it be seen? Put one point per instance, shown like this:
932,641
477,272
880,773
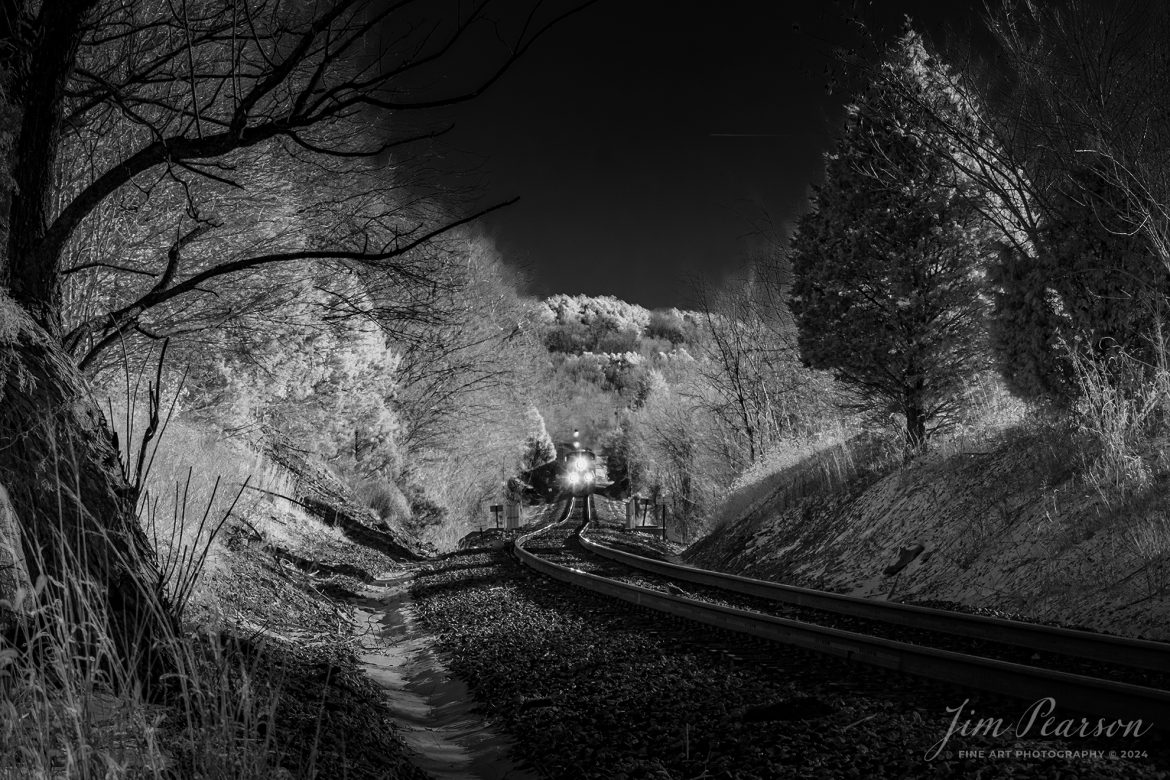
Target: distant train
580,470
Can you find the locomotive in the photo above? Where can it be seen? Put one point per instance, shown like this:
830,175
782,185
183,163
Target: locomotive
580,470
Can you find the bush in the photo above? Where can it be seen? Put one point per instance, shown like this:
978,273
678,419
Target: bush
570,339
617,342
1122,406
384,497
664,325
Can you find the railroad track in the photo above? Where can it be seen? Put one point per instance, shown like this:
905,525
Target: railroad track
1108,698
1112,650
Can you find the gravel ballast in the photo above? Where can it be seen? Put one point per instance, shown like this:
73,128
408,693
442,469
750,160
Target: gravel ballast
588,688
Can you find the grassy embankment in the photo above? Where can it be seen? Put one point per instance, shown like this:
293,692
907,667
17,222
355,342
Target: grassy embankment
267,682
1060,520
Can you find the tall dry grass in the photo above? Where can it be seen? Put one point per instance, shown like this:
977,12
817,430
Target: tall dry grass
193,482
989,412
802,468
1122,410
70,706
200,482
1148,541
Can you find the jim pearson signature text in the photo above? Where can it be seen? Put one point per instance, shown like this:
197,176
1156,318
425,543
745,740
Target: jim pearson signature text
1035,721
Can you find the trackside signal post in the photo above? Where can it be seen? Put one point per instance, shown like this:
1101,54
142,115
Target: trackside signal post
497,510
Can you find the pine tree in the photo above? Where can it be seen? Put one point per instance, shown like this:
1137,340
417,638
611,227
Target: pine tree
539,448
889,260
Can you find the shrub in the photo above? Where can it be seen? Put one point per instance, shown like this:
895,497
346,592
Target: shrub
666,326
572,339
384,497
1121,406
617,342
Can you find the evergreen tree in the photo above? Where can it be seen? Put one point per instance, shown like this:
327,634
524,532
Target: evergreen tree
889,261
539,448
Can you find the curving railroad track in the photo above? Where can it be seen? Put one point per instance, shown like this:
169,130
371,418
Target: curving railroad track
1117,678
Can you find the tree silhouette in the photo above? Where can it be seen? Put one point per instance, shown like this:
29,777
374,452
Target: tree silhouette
889,261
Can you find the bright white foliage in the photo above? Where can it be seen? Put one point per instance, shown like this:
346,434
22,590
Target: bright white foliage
326,387
604,311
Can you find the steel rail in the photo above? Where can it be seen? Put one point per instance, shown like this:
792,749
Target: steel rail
1120,651
1122,701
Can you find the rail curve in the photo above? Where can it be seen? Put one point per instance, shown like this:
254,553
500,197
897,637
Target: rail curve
1118,700
1122,651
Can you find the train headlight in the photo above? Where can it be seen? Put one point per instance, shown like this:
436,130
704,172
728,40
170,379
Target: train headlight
580,464
574,477
588,476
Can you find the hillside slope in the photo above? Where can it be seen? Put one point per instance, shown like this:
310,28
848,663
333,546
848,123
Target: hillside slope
1010,530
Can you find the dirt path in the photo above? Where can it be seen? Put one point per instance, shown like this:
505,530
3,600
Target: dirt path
434,710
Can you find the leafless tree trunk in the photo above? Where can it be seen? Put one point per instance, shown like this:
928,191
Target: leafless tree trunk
750,366
69,493
57,458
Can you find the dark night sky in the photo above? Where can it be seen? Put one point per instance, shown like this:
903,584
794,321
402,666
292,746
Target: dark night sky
610,129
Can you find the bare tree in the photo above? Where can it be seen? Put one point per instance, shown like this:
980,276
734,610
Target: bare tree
472,358
190,86
752,379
